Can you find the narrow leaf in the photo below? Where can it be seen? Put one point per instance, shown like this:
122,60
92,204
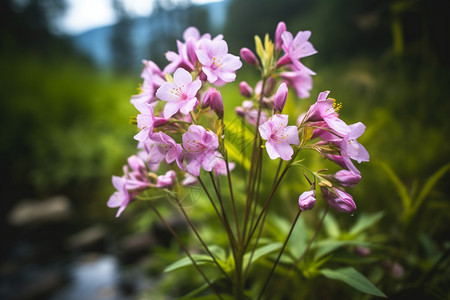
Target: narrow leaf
401,189
260,252
364,222
429,185
354,279
186,261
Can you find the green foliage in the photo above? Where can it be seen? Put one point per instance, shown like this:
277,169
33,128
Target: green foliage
354,279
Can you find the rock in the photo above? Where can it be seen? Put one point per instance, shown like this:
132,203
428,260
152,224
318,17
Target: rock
42,285
93,238
134,247
29,211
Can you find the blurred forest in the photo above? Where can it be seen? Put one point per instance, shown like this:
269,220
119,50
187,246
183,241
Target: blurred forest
65,121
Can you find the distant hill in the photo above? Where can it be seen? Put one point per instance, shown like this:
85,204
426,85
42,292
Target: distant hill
149,34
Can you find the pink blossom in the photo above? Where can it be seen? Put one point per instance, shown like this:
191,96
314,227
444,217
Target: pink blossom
153,78
180,94
189,179
279,137
339,199
280,98
137,179
350,146
218,64
300,80
200,145
166,180
160,146
145,120
297,47
323,110
307,200
281,28
120,198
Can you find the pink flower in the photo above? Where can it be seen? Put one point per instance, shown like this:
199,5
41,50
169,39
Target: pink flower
279,137
281,28
300,80
189,180
297,47
166,180
160,146
307,200
218,65
153,78
350,146
120,198
180,94
339,199
145,120
280,98
323,110
200,146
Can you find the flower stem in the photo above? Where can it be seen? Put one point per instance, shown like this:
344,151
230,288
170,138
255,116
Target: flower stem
279,255
184,249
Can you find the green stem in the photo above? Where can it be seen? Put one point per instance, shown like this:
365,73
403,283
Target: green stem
279,255
202,241
184,249
295,264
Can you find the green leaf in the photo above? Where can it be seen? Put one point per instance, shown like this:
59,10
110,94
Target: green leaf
354,279
324,247
431,182
364,222
401,189
261,252
186,261
331,226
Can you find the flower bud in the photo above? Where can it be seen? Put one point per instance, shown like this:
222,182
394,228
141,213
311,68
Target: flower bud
362,251
240,111
270,85
136,164
281,27
339,200
213,98
245,89
347,178
249,57
280,98
307,200
166,179
191,47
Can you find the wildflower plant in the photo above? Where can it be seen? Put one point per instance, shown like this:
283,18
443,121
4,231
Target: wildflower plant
184,141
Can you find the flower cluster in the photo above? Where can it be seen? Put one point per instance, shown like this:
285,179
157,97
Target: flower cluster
181,113
179,88
182,133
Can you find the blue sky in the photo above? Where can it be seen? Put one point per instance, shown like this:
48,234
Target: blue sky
83,15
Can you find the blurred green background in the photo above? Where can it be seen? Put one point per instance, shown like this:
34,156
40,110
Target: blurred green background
64,108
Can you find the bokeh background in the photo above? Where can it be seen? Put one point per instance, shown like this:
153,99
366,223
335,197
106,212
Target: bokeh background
66,77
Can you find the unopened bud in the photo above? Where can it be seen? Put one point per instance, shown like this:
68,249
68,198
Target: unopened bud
245,89
347,178
213,99
307,200
339,200
280,98
270,85
249,57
